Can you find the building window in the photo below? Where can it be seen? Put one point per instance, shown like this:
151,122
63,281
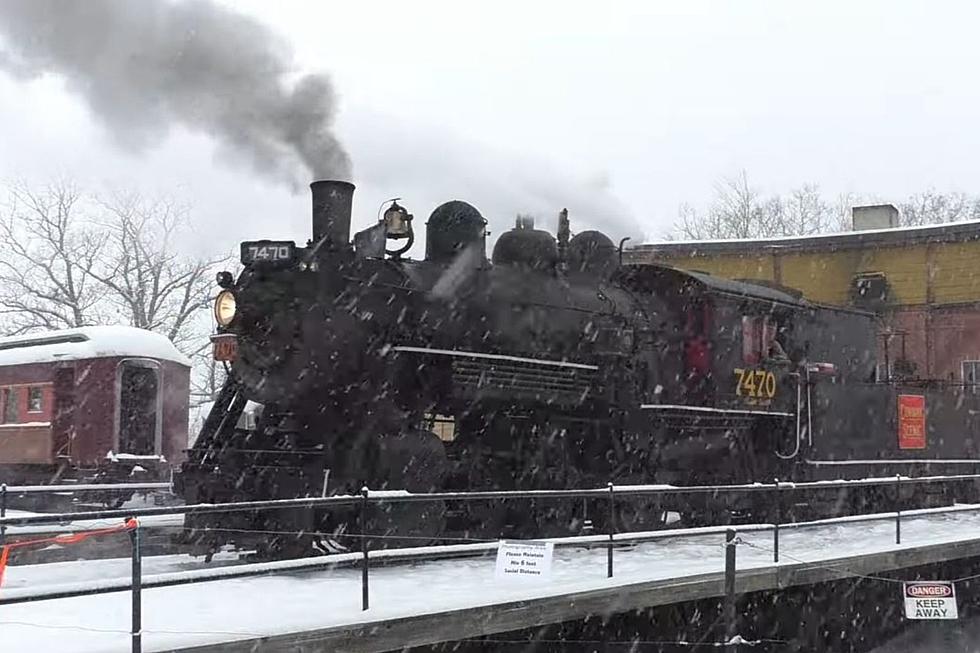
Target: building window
35,399
971,376
881,373
11,406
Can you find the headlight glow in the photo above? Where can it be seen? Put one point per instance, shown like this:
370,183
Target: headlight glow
225,307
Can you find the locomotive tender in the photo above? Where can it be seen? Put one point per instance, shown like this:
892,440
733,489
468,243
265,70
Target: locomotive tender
549,365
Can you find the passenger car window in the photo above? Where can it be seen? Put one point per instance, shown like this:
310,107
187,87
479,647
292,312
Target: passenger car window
11,412
35,400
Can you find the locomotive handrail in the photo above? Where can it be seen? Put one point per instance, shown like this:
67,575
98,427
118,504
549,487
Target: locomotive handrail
399,496
799,407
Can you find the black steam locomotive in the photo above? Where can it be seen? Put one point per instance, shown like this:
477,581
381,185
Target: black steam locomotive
550,365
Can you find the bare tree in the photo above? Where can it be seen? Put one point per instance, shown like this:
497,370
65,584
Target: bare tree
806,212
47,248
146,272
208,374
157,285
740,211
70,261
932,207
736,212
843,205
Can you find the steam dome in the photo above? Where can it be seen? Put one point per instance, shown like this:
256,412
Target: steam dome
594,253
453,226
525,246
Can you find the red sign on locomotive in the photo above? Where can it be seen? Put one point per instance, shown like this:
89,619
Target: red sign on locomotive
911,422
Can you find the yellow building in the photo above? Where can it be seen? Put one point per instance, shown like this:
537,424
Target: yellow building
923,281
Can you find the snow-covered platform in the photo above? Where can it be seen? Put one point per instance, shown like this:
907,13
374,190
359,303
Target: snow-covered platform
430,602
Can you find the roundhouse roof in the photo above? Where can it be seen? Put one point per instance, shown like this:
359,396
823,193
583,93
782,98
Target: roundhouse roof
88,342
895,236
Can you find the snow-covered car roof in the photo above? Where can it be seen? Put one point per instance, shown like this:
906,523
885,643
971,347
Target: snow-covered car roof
88,342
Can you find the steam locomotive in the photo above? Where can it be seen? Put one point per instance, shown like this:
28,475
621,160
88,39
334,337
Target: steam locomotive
549,365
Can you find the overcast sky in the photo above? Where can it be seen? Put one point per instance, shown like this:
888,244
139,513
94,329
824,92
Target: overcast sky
619,111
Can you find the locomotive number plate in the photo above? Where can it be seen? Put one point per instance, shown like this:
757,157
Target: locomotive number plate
225,347
755,384
268,251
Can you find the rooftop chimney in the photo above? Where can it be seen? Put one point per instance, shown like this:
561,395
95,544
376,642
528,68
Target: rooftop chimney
879,216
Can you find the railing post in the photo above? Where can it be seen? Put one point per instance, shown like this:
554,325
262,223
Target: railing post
775,530
3,511
612,531
137,622
365,565
898,508
731,627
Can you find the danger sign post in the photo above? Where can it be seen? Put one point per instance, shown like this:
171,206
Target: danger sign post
930,600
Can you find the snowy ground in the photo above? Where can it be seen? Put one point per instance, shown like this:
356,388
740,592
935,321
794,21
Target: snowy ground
289,602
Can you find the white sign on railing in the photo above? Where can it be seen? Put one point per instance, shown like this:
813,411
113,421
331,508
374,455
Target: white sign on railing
930,600
524,560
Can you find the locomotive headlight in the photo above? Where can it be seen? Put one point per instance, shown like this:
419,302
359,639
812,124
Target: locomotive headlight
225,307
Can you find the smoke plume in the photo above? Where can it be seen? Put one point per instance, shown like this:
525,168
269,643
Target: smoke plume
430,164
144,67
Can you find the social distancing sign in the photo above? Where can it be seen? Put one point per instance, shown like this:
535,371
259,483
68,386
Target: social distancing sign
523,560
930,600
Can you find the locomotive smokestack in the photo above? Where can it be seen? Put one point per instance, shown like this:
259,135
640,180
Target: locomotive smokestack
331,211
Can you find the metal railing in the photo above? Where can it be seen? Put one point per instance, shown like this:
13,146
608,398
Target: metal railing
7,491
397,496
368,498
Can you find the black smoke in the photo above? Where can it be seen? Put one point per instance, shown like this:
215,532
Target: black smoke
146,66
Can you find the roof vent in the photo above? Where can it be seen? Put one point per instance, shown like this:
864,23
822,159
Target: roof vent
879,216
40,341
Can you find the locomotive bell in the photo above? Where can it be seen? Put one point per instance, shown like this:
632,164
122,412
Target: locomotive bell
398,222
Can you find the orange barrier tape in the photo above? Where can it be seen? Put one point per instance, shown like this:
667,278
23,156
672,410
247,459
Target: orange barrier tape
69,538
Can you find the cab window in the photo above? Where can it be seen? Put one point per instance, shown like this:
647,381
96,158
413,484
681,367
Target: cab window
759,341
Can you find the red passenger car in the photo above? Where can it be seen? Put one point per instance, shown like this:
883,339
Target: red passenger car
94,403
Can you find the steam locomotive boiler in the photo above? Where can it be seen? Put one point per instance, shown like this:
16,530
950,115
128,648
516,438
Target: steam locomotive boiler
549,365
